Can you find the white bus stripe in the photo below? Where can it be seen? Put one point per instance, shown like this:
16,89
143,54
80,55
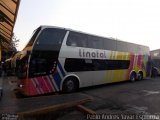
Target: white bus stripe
60,74
46,84
39,86
35,85
55,85
49,80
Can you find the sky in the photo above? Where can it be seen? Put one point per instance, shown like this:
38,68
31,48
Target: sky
136,21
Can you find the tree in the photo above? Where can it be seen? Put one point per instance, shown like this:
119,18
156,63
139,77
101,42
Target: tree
14,42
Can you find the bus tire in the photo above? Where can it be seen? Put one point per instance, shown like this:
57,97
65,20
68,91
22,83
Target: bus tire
132,77
70,84
140,75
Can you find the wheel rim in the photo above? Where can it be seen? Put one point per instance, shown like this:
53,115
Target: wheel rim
132,78
140,77
70,85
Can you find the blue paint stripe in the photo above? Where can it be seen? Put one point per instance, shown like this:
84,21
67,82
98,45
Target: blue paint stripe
61,69
57,79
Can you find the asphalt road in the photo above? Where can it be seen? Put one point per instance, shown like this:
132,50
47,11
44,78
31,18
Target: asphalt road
126,100
143,96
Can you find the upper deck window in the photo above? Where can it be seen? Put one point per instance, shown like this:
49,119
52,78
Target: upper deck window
51,36
77,39
95,42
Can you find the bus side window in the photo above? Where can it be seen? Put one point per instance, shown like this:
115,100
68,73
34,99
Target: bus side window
77,39
95,42
109,44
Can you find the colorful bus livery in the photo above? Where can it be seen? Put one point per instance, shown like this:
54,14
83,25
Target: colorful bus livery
64,60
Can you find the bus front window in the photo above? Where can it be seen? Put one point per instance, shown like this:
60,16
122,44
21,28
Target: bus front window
51,36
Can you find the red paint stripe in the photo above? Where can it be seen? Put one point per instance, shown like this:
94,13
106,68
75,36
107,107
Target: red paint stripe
47,89
132,56
41,87
32,88
139,63
38,83
44,85
50,86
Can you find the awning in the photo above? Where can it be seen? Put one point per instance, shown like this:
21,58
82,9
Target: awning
8,14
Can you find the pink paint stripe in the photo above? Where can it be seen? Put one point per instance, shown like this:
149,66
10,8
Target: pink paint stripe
41,87
48,82
139,63
36,83
131,65
45,83
32,88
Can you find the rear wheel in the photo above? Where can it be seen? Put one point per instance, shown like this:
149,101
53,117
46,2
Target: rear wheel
132,77
140,76
70,85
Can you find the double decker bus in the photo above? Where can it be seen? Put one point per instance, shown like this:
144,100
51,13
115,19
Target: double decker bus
62,59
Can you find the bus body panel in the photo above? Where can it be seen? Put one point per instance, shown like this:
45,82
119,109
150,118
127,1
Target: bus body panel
137,63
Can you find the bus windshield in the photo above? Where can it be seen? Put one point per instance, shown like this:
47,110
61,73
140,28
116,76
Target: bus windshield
45,52
51,36
34,35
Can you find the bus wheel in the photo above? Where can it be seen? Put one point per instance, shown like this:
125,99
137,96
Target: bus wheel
132,77
140,76
70,85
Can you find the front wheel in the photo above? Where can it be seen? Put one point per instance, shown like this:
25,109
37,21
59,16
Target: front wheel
70,85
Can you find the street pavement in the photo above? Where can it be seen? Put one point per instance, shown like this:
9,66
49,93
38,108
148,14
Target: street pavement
139,100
